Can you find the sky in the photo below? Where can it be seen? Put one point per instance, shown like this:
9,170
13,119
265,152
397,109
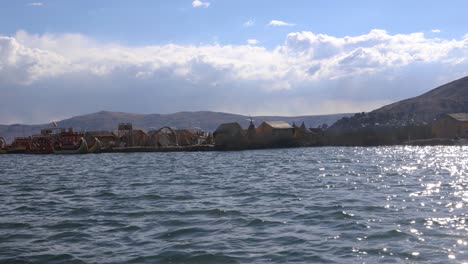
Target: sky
60,58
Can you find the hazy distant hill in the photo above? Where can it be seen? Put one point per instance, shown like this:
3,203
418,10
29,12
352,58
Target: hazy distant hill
205,120
448,98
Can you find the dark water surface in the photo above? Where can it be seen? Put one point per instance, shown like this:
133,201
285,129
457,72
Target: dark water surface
308,205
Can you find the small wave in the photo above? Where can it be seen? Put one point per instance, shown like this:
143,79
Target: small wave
289,240
65,225
350,226
130,228
388,235
70,235
18,236
14,225
50,258
184,197
184,232
219,212
150,197
17,260
335,215
80,211
211,258
263,223
106,194
371,208
288,256
26,208
184,257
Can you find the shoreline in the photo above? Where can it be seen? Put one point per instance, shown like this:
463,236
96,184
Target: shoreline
206,148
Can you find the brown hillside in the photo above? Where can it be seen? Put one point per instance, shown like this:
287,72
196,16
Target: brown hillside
448,98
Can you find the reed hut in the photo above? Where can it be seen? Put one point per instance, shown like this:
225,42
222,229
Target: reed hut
135,138
273,130
229,135
451,126
164,137
108,139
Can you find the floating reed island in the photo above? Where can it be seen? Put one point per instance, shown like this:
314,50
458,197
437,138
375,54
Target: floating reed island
228,136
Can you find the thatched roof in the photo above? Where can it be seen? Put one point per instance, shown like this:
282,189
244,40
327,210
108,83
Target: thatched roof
462,117
278,124
100,134
228,128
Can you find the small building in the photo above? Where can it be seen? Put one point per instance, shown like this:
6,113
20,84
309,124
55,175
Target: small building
274,134
163,137
124,129
187,137
275,129
301,131
108,139
229,135
135,138
451,126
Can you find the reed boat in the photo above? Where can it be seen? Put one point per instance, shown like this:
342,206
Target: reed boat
96,147
3,146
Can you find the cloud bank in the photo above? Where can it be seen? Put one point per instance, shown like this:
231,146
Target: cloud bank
52,76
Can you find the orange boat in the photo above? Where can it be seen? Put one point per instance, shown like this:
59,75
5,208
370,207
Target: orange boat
41,144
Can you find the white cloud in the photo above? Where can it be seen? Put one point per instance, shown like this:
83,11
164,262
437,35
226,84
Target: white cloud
36,4
279,23
252,41
310,73
249,23
436,31
198,3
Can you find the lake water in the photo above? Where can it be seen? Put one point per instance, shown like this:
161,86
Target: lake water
305,205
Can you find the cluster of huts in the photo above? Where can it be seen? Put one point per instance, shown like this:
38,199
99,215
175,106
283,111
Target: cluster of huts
267,135
66,141
228,136
165,137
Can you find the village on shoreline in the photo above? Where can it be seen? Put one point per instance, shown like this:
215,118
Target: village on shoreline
359,130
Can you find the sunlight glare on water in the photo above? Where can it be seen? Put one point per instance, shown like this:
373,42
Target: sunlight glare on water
305,205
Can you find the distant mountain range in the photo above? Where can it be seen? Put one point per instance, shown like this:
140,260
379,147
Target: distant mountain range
205,120
448,98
